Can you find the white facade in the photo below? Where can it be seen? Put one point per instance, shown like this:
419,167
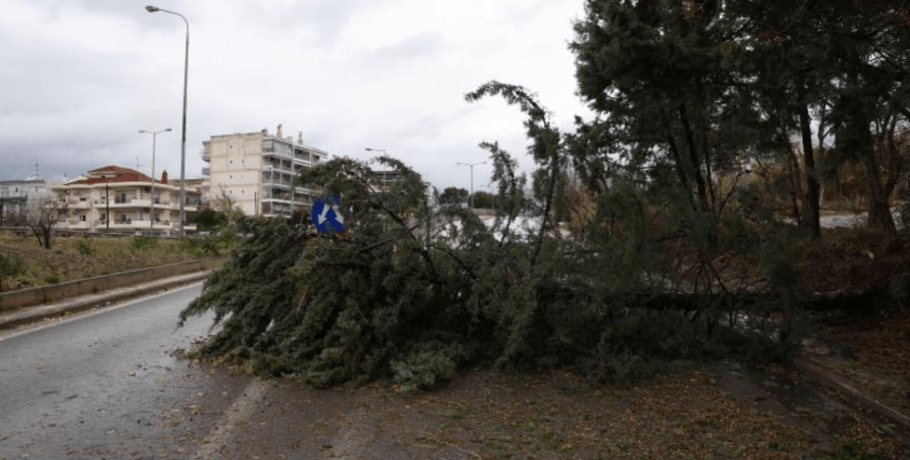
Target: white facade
119,199
14,196
256,171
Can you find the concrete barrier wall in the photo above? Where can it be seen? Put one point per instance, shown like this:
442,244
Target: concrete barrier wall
55,292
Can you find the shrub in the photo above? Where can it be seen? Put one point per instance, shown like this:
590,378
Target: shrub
209,245
143,243
11,265
51,279
83,246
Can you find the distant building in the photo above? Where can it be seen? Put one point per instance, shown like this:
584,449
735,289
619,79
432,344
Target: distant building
14,196
119,199
256,171
382,181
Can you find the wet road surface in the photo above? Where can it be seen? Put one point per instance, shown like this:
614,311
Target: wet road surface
107,384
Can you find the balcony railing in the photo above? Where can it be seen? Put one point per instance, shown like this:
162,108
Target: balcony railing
76,224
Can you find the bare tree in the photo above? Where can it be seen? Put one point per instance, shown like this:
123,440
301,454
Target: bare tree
42,215
224,202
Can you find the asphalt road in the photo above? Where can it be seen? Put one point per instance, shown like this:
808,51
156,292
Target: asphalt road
107,384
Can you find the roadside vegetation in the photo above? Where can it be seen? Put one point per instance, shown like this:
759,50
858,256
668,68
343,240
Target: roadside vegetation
42,257
681,222
24,263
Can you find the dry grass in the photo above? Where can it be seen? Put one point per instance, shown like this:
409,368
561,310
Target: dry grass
711,411
78,257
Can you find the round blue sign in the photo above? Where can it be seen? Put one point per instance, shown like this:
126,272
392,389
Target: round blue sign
326,216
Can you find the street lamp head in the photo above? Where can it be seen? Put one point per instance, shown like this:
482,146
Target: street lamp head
151,9
168,129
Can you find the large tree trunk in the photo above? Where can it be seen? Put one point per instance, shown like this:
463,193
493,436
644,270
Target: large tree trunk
693,158
860,139
796,189
895,162
879,189
810,217
879,208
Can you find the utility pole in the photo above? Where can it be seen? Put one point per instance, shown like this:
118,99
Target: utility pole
152,195
472,165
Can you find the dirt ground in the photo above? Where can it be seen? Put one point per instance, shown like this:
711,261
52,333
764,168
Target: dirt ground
869,344
719,410
872,353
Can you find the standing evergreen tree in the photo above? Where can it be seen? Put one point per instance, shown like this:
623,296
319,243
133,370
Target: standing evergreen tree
867,46
453,196
667,79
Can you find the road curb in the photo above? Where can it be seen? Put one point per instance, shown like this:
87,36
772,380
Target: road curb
9,320
841,385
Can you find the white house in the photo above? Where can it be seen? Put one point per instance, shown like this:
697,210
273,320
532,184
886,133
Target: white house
116,198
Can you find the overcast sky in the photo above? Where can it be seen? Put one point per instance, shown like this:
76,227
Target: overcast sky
80,78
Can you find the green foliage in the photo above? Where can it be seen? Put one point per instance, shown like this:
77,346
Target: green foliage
211,244
483,200
51,279
11,265
848,449
428,364
143,243
414,294
209,220
453,196
83,246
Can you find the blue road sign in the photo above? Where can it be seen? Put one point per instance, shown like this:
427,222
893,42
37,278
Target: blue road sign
326,216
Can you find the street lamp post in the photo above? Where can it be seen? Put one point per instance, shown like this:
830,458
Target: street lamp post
152,200
186,64
472,165
489,187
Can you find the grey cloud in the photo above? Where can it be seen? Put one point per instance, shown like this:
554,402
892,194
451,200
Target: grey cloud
411,48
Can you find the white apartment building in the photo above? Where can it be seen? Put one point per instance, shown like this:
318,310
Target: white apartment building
119,199
256,171
14,196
